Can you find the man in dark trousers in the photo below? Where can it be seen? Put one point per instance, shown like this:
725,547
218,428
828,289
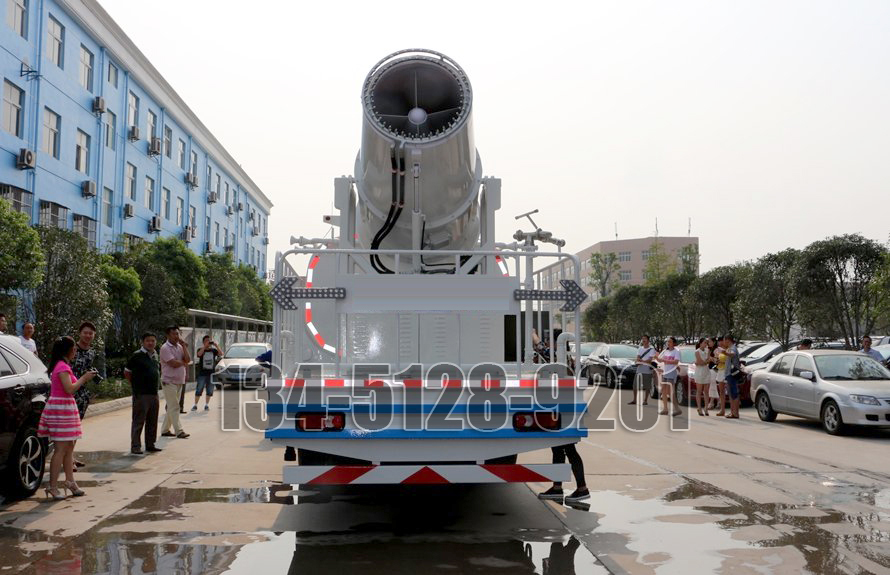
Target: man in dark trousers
143,371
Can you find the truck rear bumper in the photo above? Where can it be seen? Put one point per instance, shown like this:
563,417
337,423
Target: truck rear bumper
418,474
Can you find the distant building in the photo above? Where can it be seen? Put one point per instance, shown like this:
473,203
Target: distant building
95,140
631,254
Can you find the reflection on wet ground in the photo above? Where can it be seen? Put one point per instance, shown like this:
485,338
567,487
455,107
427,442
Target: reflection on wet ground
416,530
471,529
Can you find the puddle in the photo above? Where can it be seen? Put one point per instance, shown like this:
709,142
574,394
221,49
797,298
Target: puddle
108,461
720,531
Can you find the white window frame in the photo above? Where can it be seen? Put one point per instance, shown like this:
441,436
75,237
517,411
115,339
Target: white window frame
110,130
82,144
52,127
13,108
149,200
17,17
56,39
130,181
87,62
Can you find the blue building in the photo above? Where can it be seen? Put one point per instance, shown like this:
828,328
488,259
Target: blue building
94,139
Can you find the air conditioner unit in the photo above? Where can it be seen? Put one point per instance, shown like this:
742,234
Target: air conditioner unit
88,189
191,179
154,148
27,159
240,206
155,224
186,234
266,241
98,105
230,210
134,133
129,211
207,248
255,232
212,198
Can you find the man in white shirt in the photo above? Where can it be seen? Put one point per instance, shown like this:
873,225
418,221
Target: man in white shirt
643,380
867,349
25,338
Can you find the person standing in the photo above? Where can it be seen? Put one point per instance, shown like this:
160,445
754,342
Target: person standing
670,359
733,375
867,350
643,380
805,345
208,356
60,419
143,371
174,361
86,359
719,358
26,338
702,375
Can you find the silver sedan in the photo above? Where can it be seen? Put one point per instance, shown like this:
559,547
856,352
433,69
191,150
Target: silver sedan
838,388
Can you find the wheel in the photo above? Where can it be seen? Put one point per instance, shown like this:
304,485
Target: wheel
680,391
765,408
611,379
832,421
26,462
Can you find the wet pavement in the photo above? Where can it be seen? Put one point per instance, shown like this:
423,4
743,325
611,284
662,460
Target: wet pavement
724,497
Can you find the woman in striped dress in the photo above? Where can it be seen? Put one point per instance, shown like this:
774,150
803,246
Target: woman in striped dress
60,420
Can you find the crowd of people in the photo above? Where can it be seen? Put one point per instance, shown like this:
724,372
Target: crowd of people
72,364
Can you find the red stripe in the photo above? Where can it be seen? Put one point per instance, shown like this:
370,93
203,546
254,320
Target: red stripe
294,382
313,262
527,382
452,383
341,475
489,383
319,339
308,315
375,383
425,476
515,473
559,383
334,383
413,383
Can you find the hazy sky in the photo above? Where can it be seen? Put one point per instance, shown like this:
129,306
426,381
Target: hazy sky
767,123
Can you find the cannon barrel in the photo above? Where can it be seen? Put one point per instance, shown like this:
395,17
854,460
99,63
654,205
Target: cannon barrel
417,173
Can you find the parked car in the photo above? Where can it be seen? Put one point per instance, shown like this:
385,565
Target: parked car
838,388
586,348
24,387
884,350
750,347
239,366
686,393
612,365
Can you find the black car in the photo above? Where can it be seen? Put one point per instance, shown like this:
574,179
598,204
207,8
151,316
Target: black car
24,388
612,365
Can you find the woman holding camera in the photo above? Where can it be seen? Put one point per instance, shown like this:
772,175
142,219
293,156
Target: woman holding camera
60,420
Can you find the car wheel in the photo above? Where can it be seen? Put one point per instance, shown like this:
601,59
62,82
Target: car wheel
832,421
27,460
765,408
610,379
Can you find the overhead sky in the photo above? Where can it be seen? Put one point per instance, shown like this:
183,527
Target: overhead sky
765,122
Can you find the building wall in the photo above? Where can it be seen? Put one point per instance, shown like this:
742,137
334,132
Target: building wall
26,63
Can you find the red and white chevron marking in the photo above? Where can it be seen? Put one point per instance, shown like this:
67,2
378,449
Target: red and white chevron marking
435,474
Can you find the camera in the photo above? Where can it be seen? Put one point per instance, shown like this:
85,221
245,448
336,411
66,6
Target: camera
98,378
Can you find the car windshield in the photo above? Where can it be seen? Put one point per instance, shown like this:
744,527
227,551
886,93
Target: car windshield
586,348
245,351
622,352
749,349
762,351
850,367
687,354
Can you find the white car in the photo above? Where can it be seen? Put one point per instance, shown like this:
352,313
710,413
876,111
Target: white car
239,366
838,388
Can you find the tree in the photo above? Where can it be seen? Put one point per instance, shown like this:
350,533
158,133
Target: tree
161,302
124,293
253,293
768,300
604,270
222,283
22,261
659,263
683,309
717,291
73,288
835,281
688,260
596,318
184,268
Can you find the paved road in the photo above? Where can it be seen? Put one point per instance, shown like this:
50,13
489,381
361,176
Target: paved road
724,497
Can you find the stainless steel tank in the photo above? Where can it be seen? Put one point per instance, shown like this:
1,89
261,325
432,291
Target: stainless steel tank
418,172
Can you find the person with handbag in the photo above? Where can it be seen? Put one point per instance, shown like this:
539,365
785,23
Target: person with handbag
733,375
